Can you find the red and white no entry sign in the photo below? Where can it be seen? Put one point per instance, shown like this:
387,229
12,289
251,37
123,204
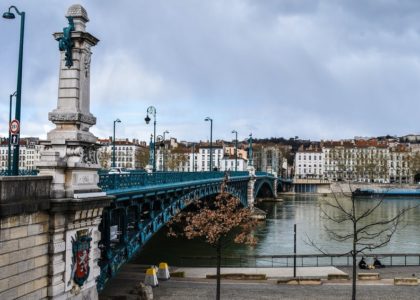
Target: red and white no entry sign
14,127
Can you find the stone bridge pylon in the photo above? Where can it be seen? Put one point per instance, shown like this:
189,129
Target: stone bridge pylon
70,158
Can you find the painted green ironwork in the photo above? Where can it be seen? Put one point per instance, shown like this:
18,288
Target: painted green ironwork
65,42
145,202
135,179
250,154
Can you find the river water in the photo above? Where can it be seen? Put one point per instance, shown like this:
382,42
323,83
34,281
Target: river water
275,234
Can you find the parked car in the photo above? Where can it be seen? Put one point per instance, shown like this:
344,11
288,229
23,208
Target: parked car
117,171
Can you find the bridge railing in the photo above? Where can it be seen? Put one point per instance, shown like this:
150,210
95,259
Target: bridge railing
22,172
261,173
302,260
141,179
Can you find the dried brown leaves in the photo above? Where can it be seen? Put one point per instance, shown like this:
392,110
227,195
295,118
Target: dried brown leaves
214,220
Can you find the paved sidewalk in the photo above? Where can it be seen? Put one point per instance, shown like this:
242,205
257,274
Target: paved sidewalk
196,287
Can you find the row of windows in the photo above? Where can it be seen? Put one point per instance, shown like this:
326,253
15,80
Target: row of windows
308,166
309,157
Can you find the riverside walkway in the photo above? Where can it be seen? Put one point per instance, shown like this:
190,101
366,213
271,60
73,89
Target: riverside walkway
194,286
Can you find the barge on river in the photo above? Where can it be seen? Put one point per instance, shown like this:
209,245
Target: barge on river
387,192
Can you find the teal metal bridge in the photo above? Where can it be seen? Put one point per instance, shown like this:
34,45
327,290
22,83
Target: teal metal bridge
144,202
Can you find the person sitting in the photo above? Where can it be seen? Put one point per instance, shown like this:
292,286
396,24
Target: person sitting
377,264
362,263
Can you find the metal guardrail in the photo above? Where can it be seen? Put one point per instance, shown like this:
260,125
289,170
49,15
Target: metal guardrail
302,260
137,178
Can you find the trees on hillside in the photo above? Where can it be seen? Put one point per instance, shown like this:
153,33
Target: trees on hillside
212,221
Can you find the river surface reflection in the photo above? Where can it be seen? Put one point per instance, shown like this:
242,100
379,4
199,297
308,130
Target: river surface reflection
276,233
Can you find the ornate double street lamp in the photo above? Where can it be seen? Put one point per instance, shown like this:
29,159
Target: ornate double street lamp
9,15
236,149
113,144
152,111
211,142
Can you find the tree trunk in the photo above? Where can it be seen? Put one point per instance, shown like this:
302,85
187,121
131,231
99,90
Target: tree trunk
353,290
219,260
354,253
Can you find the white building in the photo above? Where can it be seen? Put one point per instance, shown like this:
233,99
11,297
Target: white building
309,164
203,157
128,154
29,153
228,164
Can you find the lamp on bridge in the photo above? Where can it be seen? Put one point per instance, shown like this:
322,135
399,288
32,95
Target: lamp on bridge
193,157
211,142
236,149
161,141
250,154
164,150
9,15
152,111
9,144
113,144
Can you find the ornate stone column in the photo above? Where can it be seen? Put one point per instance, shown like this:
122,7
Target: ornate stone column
70,157
275,184
251,187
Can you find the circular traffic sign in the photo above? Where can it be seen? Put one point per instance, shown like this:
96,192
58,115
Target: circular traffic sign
14,127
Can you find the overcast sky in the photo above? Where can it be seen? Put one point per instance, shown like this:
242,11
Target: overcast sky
313,69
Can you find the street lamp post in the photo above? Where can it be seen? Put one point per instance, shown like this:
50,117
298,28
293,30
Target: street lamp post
193,156
113,144
10,15
9,144
250,162
211,141
236,149
152,110
164,150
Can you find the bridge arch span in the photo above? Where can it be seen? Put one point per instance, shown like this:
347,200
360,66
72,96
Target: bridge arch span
264,188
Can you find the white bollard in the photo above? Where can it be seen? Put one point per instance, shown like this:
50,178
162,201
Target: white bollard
163,272
151,278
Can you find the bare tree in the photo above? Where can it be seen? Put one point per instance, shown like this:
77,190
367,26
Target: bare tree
365,234
176,159
213,221
141,157
104,157
414,166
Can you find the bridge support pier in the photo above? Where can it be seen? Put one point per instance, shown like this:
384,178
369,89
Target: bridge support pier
70,157
275,184
251,187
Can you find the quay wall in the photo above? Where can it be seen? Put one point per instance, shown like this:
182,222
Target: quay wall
24,256
24,237
37,237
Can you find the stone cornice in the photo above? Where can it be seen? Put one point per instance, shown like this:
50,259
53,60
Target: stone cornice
57,117
79,36
73,204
